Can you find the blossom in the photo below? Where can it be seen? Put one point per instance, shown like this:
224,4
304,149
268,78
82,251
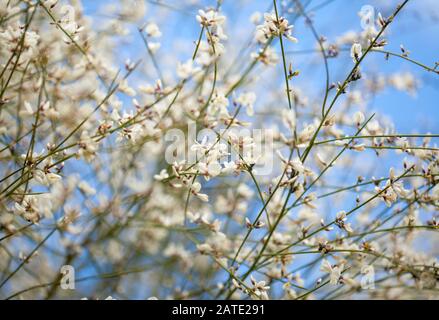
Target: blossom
230,167
209,170
268,56
34,207
392,190
152,30
256,17
306,134
86,188
340,221
219,103
210,18
50,3
153,46
335,271
359,118
204,248
247,100
356,52
5,9
87,146
243,143
289,119
404,82
260,289
195,189
273,27
12,34
68,23
132,11
162,176
187,69
46,177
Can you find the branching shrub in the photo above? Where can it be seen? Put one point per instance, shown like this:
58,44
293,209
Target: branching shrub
154,149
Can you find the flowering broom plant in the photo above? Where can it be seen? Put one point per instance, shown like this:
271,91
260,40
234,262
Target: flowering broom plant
218,150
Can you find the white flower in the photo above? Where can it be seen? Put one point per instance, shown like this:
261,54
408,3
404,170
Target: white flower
404,82
33,207
209,170
358,147
68,23
250,158
340,221
210,18
240,141
28,110
157,88
152,30
4,8
245,191
186,70
289,119
153,46
50,3
45,178
219,103
268,56
44,175
203,197
230,167
204,248
87,146
359,118
195,189
28,209
356,52
256,17
132,10
259,288
247,100
162,176
306,134
390,192
86,188
201,148
272,27
10,36
334,271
